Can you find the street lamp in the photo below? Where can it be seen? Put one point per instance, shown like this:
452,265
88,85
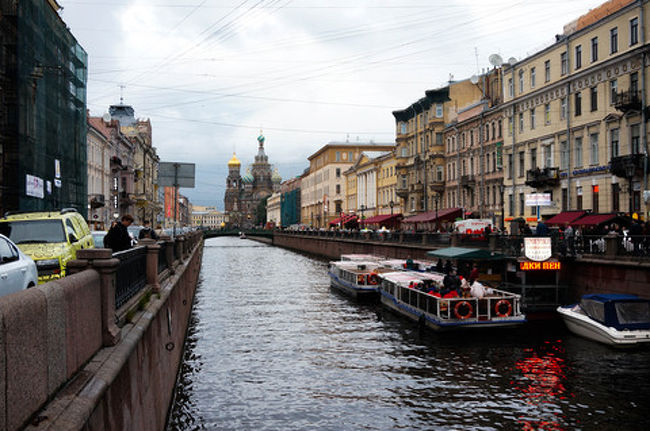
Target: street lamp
391,204
362,209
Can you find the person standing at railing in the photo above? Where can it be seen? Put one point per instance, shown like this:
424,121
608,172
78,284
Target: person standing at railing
569,237
118,237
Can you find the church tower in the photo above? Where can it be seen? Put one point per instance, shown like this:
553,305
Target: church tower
261,170
233,185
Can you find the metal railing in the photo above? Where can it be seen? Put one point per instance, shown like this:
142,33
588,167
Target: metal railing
162,257
131,275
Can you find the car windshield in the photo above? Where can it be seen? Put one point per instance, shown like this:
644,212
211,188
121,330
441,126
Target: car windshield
34,231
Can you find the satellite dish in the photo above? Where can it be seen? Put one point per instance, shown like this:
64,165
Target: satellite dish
106,117
495,60
473,79
512,60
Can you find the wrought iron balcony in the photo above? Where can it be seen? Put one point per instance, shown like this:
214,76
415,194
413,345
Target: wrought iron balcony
542,177
97,200
627,166
628,100
468,181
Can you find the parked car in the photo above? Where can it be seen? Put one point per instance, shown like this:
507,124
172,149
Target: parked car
50,238
17,270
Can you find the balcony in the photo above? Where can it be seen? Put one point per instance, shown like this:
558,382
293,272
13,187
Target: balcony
436,186
97,200
628,100
416,188
627,166
468,181
546,177
402,191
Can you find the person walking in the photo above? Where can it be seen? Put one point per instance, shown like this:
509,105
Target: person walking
118,237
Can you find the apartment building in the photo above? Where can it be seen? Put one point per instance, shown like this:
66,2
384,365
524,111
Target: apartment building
420,151
576,117
322,193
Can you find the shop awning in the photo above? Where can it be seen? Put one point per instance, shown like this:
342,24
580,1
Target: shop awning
383,219
343,220
464,253
595,219
446,214
565,217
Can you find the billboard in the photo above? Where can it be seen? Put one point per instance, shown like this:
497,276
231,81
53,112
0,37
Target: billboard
172,174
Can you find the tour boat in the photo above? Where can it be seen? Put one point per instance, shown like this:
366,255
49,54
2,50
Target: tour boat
613,319
358,279
411,294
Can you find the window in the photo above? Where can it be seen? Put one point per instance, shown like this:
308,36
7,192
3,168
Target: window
613,88
439,173
510,166
594,98
511,88
499,129
521,122
635,142
532,77
564,155
563,108
521,164
532,118
634,31
548,155
471,138
338,189
594,198
613,142
533,158
511,204
564,64
634,83
593,139
338,156
338,172
521,81
403,127
547,114
487,162
565,199
439,110
579,197
578,151
613,40
493,131
616,203
510,126
594,49
521,204
578,104
578,56
439,139
547,70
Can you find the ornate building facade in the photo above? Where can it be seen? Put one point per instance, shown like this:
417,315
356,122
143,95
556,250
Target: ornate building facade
244,193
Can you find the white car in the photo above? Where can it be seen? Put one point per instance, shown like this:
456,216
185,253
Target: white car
17,270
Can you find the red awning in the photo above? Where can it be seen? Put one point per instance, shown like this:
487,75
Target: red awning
594,219
343,220
565,217
433,216
383,218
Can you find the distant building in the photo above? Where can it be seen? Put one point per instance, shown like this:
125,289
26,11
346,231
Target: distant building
207,217
245,193
290,204
274,209
43,73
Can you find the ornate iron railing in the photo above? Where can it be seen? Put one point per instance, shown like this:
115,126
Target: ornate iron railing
131,276
162,257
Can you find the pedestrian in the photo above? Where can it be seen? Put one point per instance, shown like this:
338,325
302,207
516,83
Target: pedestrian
147,232
118,237
635,233
159,230
569,237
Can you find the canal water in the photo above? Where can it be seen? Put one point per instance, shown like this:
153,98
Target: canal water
272,347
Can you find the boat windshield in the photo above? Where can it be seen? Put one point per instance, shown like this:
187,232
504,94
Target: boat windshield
633,312
34,231
594,309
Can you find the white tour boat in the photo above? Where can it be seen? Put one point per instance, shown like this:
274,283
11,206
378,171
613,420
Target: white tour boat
356,278
614,319
415,296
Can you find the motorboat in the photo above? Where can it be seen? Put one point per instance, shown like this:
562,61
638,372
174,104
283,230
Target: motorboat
416,296
613,319
356,278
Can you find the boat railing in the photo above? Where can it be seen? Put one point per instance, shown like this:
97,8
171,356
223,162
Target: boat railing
499,304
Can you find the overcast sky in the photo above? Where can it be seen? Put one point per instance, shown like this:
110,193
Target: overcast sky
210,74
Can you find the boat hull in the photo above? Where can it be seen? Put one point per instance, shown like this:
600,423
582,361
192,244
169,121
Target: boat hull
582,325
366,293
433,322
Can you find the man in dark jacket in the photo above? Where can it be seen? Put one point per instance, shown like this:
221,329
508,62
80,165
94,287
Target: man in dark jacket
147,232
118,237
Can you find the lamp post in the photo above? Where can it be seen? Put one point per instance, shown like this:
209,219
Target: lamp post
362,208
391,204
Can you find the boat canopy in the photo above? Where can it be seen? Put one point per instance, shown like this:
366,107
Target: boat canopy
619,311
465,253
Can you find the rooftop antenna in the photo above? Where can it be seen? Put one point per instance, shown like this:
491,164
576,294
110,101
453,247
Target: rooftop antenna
495,60
122,87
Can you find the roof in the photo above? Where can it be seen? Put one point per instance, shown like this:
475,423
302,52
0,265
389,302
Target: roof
463,253
594,219
431,216
99,124
383,218
234,161
565,217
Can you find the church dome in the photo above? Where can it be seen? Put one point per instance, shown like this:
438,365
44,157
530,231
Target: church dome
247,178
234,161
276,178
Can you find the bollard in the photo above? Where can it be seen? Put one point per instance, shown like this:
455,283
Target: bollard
152,263
178,248
611,244
102,261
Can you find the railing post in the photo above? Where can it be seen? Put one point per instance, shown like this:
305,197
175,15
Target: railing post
178,248
492,242
102,261
454,239
152,263
611,245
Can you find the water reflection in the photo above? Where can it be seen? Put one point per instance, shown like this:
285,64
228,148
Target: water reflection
272,347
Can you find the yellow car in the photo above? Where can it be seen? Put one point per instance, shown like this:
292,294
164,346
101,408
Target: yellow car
51,239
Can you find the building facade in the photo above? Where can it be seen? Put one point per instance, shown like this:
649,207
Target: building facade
207,217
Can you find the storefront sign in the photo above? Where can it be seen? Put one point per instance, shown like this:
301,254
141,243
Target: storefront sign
538,200
537,249
540,266
34,186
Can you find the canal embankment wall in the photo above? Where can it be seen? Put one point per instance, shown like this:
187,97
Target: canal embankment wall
70,360
581,274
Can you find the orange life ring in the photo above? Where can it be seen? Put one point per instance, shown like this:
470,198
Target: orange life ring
464,316
372,278
498,307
